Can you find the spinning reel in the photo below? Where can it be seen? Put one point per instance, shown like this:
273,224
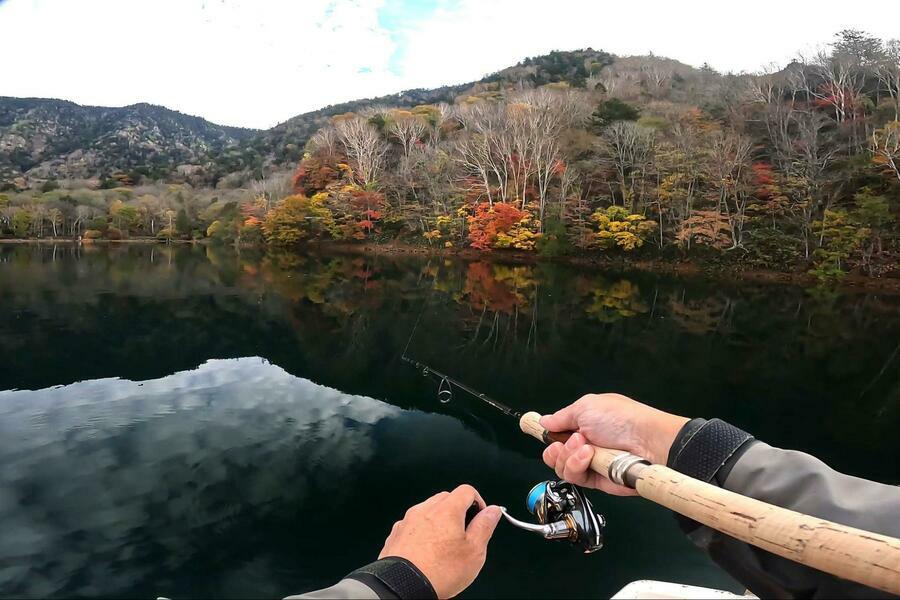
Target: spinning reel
564,513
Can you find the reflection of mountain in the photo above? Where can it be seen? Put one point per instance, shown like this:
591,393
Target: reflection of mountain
94,471
534,336
239,479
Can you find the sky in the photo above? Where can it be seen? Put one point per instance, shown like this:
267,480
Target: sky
255,63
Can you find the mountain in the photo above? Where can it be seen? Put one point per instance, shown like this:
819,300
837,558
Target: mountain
55,139
44,139
284,142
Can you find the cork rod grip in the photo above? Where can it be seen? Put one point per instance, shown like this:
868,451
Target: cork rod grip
868,558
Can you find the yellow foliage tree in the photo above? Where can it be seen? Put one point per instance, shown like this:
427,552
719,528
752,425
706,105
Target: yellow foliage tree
616,227
297,218
521,236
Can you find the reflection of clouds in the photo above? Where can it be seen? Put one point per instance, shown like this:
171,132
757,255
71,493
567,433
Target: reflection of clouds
95,471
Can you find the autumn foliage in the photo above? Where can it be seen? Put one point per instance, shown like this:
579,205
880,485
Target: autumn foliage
617,228
501,225
297,218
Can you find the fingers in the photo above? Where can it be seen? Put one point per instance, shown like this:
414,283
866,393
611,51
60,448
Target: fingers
564,419
572,461
578,464
483,525
460,499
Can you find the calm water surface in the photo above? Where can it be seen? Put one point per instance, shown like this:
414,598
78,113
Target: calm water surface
190,422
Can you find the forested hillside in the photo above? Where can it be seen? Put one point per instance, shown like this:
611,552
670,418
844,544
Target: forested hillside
43,140
794,169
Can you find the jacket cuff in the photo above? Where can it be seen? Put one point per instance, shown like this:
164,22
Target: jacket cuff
395,577
702,448
706,450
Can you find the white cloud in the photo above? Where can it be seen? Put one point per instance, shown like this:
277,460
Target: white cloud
479,37
238,63
241,62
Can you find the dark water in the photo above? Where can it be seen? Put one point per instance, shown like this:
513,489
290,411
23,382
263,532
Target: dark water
189,422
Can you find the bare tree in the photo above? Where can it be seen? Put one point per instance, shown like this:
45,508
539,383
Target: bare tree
778,96
628,147
84,213
729,166
364,146
512,147
811,154
325,140
483,147
408,129
886,147
657,78
272,187
888,73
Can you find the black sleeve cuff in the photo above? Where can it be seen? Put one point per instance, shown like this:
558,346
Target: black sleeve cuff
702,448
395,577
706,450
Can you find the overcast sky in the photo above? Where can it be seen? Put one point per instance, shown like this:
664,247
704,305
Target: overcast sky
255,63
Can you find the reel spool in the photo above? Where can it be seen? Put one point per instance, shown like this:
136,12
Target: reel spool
564,513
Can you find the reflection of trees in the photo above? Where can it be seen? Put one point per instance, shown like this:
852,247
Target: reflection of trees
144,311
609,302
503,299
497,288
700,316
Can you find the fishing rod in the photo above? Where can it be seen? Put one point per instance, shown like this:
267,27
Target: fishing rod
445,393
865,557
562,509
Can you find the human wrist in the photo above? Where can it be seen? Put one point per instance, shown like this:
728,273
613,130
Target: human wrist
659,434
395,577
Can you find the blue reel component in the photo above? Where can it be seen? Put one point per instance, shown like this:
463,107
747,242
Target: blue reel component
535,496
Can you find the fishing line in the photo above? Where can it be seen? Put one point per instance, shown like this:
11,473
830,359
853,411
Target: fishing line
445,382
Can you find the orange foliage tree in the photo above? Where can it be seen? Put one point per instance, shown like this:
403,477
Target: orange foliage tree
314,175
502,225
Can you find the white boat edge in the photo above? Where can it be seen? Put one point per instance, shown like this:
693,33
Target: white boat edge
662,590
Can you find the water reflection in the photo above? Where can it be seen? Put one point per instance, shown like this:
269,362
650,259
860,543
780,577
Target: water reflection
226,480
95,470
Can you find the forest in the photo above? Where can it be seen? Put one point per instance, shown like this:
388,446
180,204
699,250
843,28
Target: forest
791,169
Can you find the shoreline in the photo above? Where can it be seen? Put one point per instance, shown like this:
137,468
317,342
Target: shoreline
99,242
679,268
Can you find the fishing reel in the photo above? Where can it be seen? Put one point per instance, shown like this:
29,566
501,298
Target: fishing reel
564,513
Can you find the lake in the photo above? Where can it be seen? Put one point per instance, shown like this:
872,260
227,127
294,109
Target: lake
193,422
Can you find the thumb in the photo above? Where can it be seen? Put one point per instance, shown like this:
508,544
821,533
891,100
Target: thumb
565,419
483,525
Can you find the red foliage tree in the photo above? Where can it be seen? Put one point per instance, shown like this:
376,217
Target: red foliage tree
488,221
763,180
313,175
367,207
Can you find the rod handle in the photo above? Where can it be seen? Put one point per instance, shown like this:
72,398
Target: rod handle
865,557
603,457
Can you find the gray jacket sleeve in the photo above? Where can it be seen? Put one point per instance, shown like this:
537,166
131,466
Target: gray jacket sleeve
345,589
724,455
